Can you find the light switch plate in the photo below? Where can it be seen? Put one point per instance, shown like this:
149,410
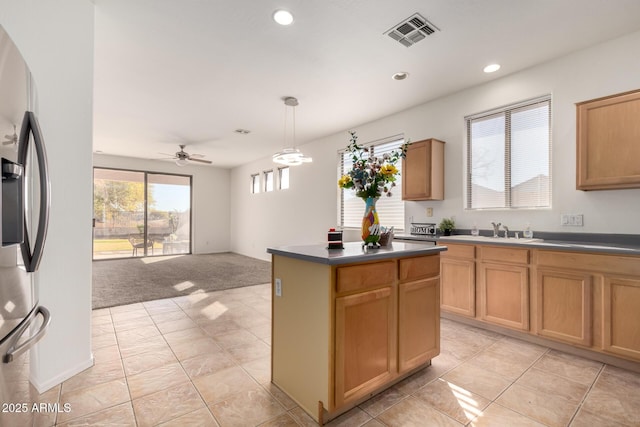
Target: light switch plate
278,287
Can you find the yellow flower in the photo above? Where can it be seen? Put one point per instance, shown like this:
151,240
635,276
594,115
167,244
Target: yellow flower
388,170
344,180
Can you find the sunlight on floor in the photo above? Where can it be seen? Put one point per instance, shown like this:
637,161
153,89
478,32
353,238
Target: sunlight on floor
466,402
151,260
214,310
183,286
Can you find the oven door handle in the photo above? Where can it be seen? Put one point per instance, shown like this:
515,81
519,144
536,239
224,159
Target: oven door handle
15,351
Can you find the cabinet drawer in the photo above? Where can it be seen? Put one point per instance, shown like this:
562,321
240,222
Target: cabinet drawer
458,251
419,268
365,276
506,254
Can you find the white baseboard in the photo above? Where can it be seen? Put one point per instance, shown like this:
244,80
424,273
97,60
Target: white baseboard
58,379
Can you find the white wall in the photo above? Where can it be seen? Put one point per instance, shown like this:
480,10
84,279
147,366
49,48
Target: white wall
303,213
210,228
56,40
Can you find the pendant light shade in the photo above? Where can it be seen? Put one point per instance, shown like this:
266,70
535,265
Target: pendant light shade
290,156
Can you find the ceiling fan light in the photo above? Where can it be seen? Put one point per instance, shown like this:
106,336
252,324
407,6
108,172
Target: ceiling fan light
182,162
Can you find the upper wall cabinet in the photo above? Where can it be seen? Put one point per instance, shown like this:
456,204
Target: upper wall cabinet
423,171
608,132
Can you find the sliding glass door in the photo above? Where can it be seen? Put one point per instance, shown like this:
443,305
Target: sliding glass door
140,214
169,212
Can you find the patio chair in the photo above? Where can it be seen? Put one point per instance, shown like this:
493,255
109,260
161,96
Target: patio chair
137,242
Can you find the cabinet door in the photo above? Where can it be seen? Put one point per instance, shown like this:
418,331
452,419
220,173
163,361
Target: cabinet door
458,286
504,298
563,309
607,142
621,299
418,322
423,171
365,343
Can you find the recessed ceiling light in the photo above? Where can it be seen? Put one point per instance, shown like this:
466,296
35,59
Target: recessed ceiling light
400,76
491,68
283,17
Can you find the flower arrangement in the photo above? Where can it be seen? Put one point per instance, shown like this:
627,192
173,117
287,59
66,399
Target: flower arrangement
371,176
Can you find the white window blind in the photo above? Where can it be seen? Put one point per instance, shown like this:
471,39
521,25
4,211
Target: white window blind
390,209
509,157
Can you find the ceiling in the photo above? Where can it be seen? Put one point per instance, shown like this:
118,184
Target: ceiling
191,72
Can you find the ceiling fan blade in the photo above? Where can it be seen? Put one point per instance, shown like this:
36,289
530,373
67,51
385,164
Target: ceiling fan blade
200,160
197,156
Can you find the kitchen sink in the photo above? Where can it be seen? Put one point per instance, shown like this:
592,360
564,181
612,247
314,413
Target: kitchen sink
485,239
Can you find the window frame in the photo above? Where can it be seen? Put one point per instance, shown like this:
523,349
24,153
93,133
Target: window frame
280,171
269,178
506,111
254,184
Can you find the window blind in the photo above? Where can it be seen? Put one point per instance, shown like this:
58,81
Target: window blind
390,209
509,156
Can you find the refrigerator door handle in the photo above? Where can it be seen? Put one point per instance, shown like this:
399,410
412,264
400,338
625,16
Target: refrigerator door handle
31,257
14,351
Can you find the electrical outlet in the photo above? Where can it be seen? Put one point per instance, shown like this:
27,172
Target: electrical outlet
572,220
429,212
278,287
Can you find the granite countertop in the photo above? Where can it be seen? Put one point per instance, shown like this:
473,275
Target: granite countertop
353,252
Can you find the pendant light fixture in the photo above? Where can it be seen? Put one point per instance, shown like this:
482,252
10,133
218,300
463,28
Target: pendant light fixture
290,156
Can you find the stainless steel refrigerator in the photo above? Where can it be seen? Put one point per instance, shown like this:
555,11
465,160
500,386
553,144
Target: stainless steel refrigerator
24,207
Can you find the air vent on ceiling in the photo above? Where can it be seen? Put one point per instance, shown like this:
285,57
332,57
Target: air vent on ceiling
411,30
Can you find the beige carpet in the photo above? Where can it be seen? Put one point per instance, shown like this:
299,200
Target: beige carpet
126,281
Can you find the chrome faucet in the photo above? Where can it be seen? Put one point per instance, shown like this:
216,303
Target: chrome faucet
506,231
496,228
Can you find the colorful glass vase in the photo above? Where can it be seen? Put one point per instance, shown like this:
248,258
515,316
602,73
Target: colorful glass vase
370,223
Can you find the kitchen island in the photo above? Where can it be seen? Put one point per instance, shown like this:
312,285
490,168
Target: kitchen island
349,323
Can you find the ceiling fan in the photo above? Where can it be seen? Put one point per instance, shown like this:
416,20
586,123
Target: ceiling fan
11,139
183,158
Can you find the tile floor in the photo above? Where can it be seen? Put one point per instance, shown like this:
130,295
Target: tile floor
203,360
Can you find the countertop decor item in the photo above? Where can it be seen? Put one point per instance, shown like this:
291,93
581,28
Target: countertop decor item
371,177
447,225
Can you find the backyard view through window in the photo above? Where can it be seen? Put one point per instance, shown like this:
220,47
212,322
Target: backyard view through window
140,214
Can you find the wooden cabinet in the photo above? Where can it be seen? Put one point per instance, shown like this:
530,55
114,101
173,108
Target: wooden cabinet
592,300
423,171
342,333
621,316
458,280
608,130
503,277
365,329
581,299
563,306
418,312
365,343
